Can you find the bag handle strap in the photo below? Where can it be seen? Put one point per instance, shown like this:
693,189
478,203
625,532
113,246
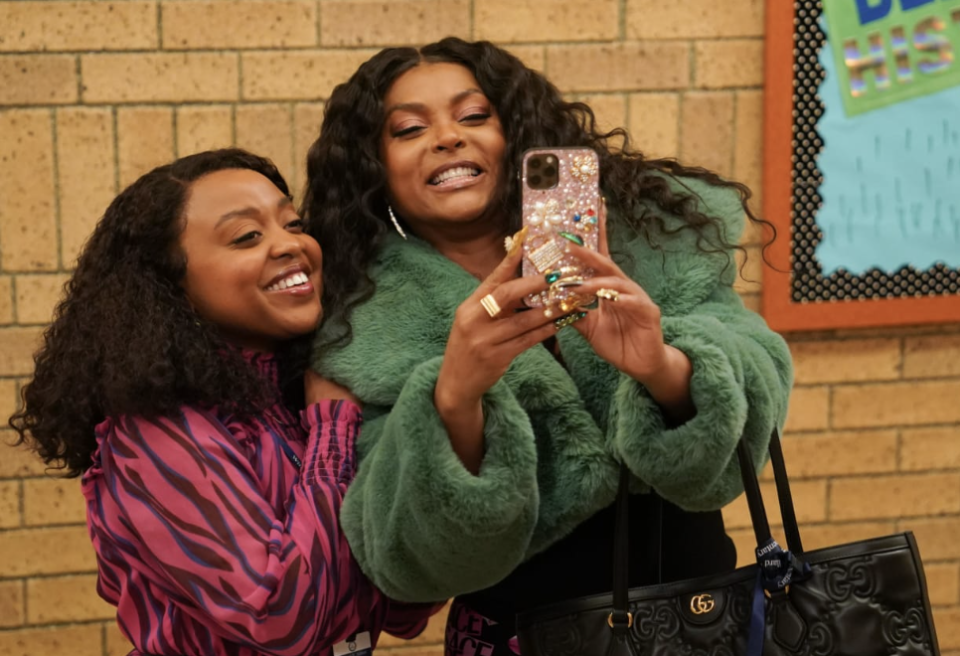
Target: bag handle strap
620,619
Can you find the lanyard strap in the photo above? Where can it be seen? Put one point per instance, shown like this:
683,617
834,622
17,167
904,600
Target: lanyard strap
291,456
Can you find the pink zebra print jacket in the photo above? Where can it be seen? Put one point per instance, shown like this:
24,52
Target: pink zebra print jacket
211,542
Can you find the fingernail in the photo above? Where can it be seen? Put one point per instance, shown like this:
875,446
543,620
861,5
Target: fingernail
517,241
576,239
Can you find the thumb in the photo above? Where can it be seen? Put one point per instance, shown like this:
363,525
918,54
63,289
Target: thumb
507,269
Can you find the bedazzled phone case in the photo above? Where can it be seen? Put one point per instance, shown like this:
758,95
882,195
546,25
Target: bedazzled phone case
561,205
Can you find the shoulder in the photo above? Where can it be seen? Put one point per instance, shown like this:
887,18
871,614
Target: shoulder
190,424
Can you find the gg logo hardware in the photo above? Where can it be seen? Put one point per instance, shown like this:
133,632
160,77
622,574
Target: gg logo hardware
702,604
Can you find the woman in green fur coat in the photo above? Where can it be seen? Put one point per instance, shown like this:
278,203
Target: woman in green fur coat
491,444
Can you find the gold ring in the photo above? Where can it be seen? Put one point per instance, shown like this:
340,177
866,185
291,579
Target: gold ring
608,294
490,304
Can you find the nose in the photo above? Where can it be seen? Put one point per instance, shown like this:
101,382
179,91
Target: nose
448,138
285,244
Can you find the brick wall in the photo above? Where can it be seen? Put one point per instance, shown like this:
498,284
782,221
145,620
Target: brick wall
93,93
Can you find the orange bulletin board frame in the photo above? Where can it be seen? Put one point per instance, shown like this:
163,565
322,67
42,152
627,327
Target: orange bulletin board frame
779,308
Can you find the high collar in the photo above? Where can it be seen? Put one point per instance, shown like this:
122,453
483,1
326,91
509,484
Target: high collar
266,364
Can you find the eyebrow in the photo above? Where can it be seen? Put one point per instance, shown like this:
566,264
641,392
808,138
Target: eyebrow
420,107
250,211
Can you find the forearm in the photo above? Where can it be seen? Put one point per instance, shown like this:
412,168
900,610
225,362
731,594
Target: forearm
464,424
670,386
422,526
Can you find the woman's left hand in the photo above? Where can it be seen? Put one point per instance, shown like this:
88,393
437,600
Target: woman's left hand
626,331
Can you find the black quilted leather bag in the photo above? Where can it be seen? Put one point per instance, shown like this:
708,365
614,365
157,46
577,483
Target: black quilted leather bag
865,598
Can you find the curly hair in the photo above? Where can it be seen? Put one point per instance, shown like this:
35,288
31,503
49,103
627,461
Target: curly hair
125,339
346,196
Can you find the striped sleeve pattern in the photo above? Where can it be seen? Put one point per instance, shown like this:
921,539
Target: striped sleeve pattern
209,542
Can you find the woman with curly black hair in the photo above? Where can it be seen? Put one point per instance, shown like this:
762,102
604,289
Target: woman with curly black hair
212,506
492,438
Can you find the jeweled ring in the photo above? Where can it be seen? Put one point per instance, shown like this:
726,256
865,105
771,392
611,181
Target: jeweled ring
563,322
608,294
490,304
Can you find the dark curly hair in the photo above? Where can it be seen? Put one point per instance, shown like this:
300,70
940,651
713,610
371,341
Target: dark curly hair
346,195
124,339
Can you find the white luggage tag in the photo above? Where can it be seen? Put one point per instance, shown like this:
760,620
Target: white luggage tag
356,645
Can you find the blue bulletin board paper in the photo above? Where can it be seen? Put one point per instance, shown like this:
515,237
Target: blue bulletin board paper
891,181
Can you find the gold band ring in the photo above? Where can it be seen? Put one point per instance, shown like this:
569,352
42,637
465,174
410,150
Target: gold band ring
608,294
490,304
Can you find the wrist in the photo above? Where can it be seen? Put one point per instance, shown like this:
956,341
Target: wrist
451,402
669,383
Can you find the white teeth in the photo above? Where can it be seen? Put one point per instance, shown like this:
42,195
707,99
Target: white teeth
292,280
459,172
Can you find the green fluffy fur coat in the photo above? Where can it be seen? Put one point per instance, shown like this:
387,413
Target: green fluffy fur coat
424,529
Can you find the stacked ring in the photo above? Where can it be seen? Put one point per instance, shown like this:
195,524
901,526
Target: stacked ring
563,322
608,294
490,304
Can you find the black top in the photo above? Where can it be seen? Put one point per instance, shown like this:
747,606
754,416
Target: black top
691,545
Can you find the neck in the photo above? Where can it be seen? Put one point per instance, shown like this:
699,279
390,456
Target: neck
475,247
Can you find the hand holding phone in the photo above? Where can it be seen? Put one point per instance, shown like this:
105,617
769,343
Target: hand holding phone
561,205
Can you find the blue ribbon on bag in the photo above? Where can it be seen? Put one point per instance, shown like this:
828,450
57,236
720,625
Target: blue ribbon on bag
776,570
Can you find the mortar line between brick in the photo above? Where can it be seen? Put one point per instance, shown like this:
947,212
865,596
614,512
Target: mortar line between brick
473,12
295,173
174,131
902,365
233,124
55,163
318,37
240,91
26,599
13,300
622,20
159,6
21,506
373,47
116,149
733,150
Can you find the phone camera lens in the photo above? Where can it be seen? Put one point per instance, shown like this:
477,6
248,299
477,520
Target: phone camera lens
550,171
534,180
534,163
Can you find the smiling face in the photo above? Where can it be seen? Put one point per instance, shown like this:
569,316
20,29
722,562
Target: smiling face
442,146
251,270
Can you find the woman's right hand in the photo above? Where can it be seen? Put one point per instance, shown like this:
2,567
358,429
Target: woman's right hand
480,349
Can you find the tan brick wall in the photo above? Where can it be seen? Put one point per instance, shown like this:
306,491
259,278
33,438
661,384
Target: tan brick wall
94,92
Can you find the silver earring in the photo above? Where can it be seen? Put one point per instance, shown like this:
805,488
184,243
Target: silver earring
396,224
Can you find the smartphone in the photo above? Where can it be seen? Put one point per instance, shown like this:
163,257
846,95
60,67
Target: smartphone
561,205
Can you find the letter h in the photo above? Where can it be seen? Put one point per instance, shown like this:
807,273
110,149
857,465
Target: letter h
857,64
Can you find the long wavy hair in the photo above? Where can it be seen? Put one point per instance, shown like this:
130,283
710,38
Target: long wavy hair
346,197
125,339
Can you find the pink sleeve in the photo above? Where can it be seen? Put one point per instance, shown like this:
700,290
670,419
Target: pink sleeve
184,498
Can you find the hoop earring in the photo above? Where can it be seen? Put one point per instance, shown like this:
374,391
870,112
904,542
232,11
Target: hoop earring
396,224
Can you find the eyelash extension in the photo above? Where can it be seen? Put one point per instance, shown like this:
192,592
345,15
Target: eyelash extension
406,131
244,238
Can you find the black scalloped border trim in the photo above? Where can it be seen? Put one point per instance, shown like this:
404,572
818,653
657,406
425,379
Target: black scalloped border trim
808,282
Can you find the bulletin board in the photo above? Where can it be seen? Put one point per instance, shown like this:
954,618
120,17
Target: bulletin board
862,163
